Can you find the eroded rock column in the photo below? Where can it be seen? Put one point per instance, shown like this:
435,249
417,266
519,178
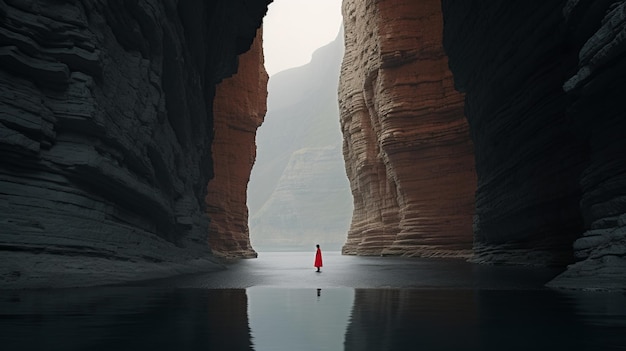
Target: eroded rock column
597,109
407,148
239,109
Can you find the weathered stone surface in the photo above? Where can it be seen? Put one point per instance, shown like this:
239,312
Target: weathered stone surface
238,110
511,61
407,148
105,133
597,94
542,84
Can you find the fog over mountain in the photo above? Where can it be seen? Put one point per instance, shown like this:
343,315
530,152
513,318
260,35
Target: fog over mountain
298,193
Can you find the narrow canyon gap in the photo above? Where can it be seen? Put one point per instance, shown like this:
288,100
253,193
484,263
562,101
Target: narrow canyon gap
108,135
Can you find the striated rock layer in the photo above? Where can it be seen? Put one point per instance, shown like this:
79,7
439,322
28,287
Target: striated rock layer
511,61
238,110
597,95
105,135
407,148
544,103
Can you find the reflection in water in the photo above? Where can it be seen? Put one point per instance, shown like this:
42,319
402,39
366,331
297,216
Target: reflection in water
264,318
299,319
124,319
396,319
408,319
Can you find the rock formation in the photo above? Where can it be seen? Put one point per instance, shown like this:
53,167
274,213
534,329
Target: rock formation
542,100
238,110
105,135
299,194
542,83
596,95
407,319
407,147
107,129
528,157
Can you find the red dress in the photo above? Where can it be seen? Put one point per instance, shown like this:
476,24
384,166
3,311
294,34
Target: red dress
318,258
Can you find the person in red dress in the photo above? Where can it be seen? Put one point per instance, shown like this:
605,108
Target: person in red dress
318,258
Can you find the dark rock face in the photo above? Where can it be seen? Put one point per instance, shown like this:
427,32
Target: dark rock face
106,130
542,84
528,156
597,107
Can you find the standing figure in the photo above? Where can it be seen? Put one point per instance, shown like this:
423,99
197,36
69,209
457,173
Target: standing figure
318,258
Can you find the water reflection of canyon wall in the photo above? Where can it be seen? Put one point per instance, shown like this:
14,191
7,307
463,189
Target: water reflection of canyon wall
268,318
125,319
466,319
394,319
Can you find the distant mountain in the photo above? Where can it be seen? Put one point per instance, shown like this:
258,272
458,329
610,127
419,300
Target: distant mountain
298,193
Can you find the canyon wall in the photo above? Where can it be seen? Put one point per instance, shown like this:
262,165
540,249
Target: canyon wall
511,62
238,110
407,147
544,175
106,128
542,83
597,31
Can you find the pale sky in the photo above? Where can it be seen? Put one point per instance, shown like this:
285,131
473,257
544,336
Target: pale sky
293,29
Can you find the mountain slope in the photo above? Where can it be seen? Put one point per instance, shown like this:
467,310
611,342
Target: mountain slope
299,175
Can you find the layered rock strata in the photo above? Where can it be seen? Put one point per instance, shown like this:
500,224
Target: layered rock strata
238,110
407,147
598,30
511,62
543,99
106,129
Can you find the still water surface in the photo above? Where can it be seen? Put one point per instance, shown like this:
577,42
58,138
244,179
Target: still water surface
278,302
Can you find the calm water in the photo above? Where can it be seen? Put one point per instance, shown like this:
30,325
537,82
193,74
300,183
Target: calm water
278,302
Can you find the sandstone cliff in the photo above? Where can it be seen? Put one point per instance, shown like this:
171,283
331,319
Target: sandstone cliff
239,108
407,147
543,100
106,129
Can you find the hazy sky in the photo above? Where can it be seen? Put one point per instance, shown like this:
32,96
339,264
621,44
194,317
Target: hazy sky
293,29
